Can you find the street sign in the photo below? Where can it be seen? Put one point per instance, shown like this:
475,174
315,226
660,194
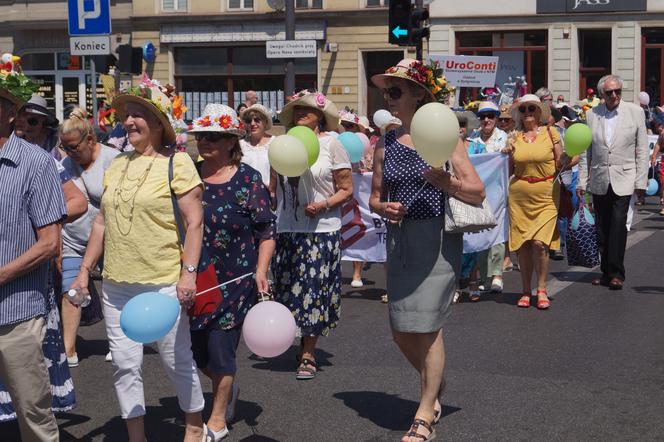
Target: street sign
89,17
291,49
90,45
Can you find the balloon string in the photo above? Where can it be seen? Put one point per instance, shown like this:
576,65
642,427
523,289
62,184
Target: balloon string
412,200
224,283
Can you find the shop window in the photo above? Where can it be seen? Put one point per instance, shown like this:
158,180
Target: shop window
224,74
652,64
38,62
241,4
309,4
594,57
174,5
377,3
377,62
521,54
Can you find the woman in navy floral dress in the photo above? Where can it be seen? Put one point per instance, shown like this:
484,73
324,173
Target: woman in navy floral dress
238,238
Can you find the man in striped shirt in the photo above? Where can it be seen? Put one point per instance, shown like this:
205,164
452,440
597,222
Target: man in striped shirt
31,208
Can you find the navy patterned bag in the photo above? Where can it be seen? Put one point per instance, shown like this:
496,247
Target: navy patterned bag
582,249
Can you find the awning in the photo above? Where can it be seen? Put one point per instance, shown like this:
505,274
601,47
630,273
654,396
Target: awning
239,32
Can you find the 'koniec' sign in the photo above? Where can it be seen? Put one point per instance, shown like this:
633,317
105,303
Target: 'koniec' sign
468,70
581,6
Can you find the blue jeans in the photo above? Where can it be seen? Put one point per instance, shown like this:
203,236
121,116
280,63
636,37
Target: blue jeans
563,222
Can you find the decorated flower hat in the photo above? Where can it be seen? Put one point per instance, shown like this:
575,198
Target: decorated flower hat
219,118
157,99
15,86
265,112
314,100
349,116
365,125
430,77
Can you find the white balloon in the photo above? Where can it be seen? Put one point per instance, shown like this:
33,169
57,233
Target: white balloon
644,98
435,133
382,117
333,134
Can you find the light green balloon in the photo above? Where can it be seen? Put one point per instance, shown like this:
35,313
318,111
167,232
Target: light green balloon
435,133
578,138
309,140
288,156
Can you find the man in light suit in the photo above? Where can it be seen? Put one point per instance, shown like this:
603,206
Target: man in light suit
617,162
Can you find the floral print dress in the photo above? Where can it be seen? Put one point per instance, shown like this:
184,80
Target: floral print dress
237,217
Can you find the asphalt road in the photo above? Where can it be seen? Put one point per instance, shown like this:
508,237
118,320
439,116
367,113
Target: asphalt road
590,368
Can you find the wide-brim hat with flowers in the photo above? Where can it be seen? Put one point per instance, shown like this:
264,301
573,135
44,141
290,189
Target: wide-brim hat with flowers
265,112
219,118
429,77
365,125
150,95
315,100
349,116
531,99
15,86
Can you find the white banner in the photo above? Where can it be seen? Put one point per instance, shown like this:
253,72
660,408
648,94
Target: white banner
363,234
468,70
493,171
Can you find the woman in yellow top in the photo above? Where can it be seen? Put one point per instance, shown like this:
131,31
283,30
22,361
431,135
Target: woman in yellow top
136,231
535,156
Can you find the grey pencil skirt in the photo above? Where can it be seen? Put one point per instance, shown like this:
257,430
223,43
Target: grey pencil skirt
422,267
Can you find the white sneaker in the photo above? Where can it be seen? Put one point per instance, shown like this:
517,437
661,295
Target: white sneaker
72,361
109,357
216,436
497,285
356,283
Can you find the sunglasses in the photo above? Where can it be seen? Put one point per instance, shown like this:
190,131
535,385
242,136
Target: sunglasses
212,137
487,116
393,92
253,120
347,125
610,92
531,108
32,121
504,120
73,148
463,124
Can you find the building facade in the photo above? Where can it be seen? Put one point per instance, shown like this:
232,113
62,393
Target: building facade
565,45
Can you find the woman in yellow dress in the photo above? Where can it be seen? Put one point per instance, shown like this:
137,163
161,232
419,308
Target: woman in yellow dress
535,156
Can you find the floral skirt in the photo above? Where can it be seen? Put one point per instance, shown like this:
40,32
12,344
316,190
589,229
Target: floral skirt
307,271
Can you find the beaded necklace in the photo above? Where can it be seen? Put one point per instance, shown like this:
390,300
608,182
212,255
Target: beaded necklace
530,140
125,195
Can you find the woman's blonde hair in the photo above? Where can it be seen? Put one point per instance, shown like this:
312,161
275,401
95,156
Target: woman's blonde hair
77,121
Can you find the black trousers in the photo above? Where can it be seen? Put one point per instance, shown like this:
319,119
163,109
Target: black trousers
611,222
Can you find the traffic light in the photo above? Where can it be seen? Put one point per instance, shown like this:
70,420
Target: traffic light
399,22
406,23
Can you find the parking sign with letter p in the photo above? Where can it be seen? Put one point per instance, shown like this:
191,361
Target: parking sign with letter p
89,17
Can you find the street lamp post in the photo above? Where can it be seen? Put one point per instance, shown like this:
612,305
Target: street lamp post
289,85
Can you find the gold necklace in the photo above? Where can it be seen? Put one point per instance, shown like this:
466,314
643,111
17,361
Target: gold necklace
125,195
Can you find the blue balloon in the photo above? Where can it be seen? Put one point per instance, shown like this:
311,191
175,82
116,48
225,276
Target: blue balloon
653,187
353,146
149,316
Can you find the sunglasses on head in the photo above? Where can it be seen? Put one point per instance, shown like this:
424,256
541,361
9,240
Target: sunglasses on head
75,146
530,108
610,92
33,121
393,92
212,137
489,115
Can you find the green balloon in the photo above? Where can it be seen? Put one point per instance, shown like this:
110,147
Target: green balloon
578,138
310,141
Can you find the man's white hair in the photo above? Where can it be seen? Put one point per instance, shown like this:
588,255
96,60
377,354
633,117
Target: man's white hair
602,81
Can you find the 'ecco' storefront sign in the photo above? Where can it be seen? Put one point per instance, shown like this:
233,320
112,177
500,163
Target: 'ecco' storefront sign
468,70
581,6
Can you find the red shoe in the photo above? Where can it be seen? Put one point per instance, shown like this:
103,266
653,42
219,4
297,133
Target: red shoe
524,301
543,304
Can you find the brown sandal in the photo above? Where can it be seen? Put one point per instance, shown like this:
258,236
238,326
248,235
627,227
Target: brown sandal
306,370
417,423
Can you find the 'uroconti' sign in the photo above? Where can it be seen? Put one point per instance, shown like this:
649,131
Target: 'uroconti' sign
468,70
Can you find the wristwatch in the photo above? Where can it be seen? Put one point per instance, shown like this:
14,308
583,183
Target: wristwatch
190,268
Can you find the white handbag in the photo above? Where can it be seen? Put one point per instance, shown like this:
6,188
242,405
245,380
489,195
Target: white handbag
461,217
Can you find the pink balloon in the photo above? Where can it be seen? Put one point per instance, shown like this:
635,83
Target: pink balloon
269,329
365,142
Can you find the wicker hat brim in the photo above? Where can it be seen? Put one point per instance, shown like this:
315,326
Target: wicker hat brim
4,93
329,111
261,110
121,101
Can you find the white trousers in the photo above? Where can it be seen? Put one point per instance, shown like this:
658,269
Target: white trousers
174,349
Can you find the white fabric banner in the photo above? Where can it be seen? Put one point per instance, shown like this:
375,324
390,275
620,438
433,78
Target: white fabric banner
493,171
363,234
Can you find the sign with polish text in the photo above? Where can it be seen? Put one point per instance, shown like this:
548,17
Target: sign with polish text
468,70
291,49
